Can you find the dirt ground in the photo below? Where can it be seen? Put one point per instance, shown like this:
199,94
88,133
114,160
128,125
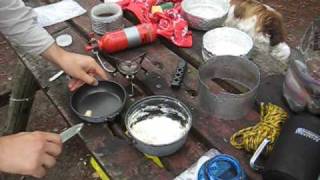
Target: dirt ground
73,163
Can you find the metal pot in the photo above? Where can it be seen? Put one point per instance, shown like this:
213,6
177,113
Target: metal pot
204,14
226,41
104,101
106,17
158,149
235,70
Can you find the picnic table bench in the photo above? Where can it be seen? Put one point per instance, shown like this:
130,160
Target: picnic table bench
107,142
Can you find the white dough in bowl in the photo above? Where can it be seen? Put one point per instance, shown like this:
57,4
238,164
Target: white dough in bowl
152,127
158,130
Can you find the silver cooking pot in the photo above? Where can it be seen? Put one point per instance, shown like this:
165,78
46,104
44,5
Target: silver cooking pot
236,70
169,102
204,14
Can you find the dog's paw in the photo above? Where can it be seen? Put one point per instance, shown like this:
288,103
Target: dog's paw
281,52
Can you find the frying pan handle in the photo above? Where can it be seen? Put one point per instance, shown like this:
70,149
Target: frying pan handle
111,117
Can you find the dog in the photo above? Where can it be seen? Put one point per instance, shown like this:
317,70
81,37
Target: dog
263,23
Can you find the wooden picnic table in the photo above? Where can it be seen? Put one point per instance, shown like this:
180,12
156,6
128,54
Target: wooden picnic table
107,142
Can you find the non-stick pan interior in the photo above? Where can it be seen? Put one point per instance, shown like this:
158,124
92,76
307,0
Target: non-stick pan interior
103,100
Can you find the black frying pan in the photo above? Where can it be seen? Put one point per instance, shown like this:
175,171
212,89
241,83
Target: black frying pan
98,103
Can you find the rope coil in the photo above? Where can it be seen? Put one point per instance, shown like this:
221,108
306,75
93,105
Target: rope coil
271,120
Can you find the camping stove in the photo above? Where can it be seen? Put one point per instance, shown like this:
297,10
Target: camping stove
129,68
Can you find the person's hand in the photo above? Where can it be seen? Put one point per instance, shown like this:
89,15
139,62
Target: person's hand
29,153
81,68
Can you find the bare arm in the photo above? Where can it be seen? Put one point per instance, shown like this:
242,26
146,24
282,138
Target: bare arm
18,23
80,67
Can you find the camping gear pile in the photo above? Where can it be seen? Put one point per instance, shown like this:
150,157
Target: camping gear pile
159,125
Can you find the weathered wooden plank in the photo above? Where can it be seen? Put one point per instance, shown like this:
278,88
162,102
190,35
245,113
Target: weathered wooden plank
4,97
20,104
8,61
56,28
192,55
192,150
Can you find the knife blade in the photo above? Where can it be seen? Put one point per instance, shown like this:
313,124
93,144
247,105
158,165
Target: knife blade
56,76
69,133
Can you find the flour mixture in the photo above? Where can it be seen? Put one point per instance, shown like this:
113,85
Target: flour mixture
158,125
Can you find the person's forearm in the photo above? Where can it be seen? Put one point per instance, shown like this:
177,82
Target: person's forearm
80,67
18,23
55,54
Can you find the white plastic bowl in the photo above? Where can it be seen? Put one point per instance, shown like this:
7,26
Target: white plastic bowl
205,14
226,41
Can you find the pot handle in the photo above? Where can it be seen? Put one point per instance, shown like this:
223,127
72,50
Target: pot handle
130,138
112,116
123,135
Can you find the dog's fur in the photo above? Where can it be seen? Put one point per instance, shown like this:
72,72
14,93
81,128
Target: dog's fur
263,24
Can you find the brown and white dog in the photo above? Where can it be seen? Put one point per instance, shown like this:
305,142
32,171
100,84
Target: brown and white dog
263,24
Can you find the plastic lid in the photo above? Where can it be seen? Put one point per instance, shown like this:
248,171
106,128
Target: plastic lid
64,40
221,167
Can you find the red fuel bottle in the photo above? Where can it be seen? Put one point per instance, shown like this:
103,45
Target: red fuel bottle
126,38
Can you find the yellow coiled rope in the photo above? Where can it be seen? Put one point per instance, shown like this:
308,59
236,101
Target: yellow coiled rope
272,117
